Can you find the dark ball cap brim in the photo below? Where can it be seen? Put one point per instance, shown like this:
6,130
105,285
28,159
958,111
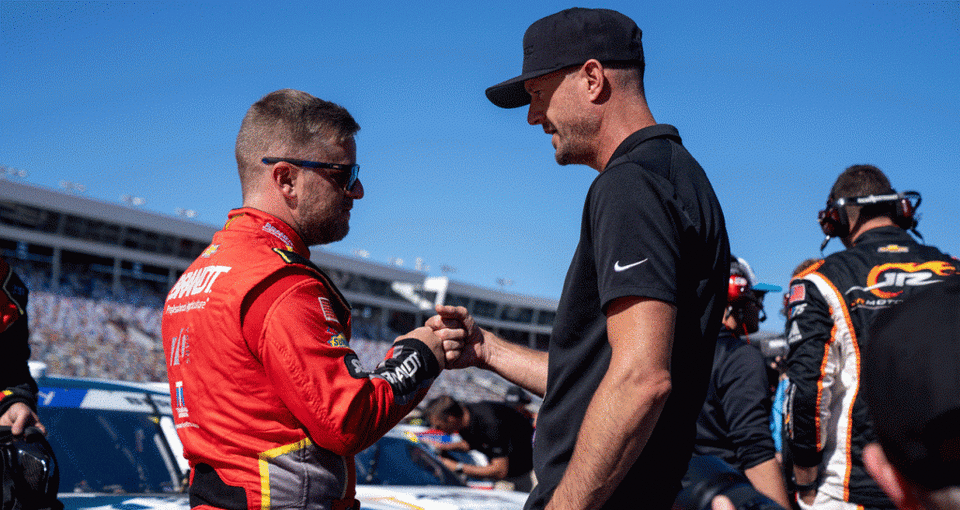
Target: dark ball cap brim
511,93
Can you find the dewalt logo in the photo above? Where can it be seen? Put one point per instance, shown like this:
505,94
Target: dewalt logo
888,280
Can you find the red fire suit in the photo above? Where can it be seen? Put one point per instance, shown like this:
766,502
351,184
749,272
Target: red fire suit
270,402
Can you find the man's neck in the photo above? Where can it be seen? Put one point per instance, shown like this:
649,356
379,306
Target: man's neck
271,206
862,228
617,127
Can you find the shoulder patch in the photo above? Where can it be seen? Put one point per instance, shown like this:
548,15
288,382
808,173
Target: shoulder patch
798,292
210,251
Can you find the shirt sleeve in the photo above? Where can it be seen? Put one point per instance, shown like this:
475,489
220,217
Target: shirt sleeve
305,353
635,226
812,377
742,388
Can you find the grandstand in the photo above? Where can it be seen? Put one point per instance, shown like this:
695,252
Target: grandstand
99,272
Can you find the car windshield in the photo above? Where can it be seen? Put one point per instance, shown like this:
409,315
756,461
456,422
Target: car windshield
111,440
108,451
396,461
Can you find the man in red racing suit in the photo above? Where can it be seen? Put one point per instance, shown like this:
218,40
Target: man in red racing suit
270,402
830,307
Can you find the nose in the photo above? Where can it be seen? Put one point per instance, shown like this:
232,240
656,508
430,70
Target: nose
357,191
534,115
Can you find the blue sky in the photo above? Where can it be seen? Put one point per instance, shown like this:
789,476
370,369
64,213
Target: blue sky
773,98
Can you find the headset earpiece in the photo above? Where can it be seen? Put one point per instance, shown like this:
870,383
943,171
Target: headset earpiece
905,212
833,220
737,288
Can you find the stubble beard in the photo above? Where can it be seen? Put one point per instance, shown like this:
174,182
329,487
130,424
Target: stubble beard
572,148
328,233
327,228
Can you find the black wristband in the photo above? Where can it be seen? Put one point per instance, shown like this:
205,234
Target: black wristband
410,367
433,366
812,486
12,395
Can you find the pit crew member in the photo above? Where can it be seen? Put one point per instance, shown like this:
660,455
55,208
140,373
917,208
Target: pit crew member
830,307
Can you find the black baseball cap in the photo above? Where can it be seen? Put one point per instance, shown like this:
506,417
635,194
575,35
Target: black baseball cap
911,378
568,38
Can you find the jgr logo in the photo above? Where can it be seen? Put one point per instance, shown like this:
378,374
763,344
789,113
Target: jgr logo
197,281
896,276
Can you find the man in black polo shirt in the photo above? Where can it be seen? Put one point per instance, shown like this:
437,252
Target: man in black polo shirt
631,349
496,430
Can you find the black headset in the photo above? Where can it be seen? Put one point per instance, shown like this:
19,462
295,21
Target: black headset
835,223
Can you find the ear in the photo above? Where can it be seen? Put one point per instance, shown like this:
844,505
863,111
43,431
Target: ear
900,490
285,177
597,85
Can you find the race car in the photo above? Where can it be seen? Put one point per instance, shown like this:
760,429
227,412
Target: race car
116,448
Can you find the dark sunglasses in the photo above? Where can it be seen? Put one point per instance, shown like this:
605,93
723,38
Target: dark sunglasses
345,177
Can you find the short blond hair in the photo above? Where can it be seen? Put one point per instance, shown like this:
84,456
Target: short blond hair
288,121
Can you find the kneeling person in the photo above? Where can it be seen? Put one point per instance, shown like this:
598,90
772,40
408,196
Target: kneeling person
494,429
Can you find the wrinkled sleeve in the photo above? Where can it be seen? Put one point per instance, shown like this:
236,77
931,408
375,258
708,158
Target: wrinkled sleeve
812,377
742,387
304,350
634,216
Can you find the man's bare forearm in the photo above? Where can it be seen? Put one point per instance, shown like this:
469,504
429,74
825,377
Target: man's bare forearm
520,365
767,477
618,422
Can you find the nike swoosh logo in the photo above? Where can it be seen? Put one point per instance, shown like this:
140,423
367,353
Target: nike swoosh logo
618,268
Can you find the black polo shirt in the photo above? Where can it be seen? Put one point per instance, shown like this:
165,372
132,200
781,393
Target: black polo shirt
734,423
652,227
498,430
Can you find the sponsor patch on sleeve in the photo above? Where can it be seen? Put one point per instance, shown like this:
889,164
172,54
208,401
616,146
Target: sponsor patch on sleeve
338,340
797,293
796,310
327,307
794,336
355,367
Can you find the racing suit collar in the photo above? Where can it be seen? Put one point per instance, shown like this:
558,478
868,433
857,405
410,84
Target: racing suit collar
275,228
